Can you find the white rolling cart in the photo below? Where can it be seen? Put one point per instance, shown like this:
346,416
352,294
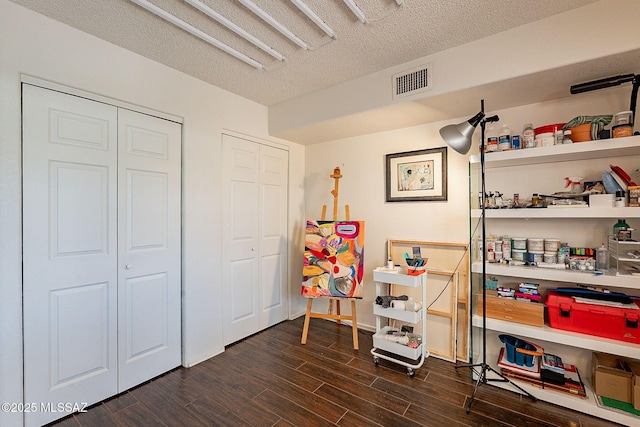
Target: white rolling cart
384,280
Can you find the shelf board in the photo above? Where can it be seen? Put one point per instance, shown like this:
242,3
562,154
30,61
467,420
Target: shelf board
588,213
399,278
569,276
572,339
614,147
587,405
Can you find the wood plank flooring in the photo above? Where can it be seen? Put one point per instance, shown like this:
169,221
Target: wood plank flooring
270,379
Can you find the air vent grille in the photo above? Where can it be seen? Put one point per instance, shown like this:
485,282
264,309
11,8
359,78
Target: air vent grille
408,83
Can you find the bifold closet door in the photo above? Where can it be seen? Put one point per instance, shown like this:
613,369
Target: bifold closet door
254,235
101,249
70,255
149,246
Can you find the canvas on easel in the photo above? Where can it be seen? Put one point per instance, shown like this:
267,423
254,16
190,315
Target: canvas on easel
333,264
333,259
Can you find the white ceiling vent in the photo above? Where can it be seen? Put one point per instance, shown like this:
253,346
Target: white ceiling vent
412,82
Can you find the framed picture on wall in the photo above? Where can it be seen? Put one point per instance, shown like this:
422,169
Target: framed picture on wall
417,176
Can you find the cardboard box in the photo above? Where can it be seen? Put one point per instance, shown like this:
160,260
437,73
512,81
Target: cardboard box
609,377
635,369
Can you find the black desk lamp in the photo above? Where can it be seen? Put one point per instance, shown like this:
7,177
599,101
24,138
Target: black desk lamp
458,137
610,82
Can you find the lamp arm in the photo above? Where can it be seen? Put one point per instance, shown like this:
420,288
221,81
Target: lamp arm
634,98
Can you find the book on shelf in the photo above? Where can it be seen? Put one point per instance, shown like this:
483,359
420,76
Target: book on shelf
552,363
569,387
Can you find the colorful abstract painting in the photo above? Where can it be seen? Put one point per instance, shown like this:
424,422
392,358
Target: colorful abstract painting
333,259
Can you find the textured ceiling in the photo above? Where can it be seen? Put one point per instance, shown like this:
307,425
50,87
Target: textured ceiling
393,35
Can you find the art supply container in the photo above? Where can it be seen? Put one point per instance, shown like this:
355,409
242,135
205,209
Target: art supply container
519,254
602,258
551,245
622,118
535,244
519,243
550,257
519,351
620,131
535,256
506,249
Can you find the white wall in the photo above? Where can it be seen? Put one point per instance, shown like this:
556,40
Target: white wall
362,160
37,46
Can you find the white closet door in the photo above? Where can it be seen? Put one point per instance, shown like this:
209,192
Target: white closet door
273,235
69,250
240,238
254,233
102,249
149,270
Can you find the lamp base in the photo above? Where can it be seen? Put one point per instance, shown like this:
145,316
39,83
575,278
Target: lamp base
481,370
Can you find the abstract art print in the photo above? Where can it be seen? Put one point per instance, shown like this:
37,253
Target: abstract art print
333,259
415,176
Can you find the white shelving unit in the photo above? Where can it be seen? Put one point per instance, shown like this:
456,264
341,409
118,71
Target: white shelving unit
569,220
384,279
621,256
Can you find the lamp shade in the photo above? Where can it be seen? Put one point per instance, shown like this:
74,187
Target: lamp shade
458,136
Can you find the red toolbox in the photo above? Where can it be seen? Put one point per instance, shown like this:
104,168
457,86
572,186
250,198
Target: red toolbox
597,318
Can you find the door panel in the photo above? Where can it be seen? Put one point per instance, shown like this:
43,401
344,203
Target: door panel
149,240
254,237
147,310
273,235
240,239
69,250
78,320
147,193
78,195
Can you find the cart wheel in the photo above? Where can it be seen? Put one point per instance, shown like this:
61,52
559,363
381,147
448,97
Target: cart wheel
376,360
410,372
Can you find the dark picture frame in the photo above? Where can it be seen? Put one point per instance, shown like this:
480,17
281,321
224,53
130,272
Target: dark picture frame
417,176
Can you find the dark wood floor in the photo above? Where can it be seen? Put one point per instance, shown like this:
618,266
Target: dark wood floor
270,379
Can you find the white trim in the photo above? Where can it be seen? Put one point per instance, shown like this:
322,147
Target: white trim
255,139
46,84
202,357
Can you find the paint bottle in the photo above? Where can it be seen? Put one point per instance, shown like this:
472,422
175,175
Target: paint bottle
504,138
620,230
528,136
492,140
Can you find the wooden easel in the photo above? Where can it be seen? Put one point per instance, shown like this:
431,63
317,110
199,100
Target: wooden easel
337,317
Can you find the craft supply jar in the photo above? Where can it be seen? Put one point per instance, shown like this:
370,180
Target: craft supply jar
535,245
519,254
535,256
551,245
519,243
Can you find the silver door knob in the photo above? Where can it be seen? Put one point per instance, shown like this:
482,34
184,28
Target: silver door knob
128,266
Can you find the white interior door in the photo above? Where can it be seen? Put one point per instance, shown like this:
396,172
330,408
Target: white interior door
240,266
149,278
273,235
69,250
254,264
101,249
